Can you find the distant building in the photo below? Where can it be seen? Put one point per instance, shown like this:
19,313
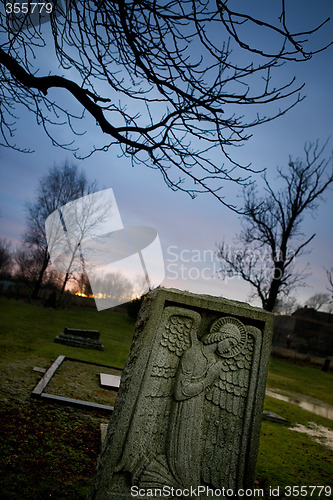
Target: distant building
307,331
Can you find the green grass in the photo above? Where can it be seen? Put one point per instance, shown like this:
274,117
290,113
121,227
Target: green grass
288,458
50,451
29,330
294,414
301,379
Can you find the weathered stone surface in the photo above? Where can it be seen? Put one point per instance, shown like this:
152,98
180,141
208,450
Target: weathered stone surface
190,401
88,339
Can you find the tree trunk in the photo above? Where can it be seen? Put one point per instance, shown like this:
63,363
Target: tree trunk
41,275
64,283
275,286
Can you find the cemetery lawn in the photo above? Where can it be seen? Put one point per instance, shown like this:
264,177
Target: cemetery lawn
289,458
50,451
47,450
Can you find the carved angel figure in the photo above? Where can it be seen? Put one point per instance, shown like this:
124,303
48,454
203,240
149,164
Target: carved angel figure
198,369
189,427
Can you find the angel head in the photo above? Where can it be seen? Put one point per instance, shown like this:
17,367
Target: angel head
229,335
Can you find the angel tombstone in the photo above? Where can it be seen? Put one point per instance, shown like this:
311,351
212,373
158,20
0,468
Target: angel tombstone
188,413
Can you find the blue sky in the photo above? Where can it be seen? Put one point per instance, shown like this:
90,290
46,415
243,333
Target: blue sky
190,229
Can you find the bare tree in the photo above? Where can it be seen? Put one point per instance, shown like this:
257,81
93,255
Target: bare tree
6,259
167,81
115,287
28,265
286,305
329,273
58,187
81,285
271,238
318,300
79,222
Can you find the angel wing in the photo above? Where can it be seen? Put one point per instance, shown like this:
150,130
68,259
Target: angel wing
225,413
179,333
147,436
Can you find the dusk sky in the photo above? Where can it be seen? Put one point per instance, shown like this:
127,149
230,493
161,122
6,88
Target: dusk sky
190,229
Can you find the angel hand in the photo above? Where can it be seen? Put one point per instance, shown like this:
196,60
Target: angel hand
213,373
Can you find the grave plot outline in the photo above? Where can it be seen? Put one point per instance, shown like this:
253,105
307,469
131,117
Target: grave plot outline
39,390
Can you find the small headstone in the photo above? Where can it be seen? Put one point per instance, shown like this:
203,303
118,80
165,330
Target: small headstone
39,369
274,417
190,402
109,381
88,339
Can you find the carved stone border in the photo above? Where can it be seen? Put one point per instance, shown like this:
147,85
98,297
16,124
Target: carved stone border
38,391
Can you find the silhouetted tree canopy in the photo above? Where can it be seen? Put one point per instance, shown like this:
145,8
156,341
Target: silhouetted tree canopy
272,239
59,186
168,81
329,273
6,258
318,300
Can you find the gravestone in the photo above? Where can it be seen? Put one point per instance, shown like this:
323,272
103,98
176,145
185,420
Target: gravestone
188,413
109,381
88,339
